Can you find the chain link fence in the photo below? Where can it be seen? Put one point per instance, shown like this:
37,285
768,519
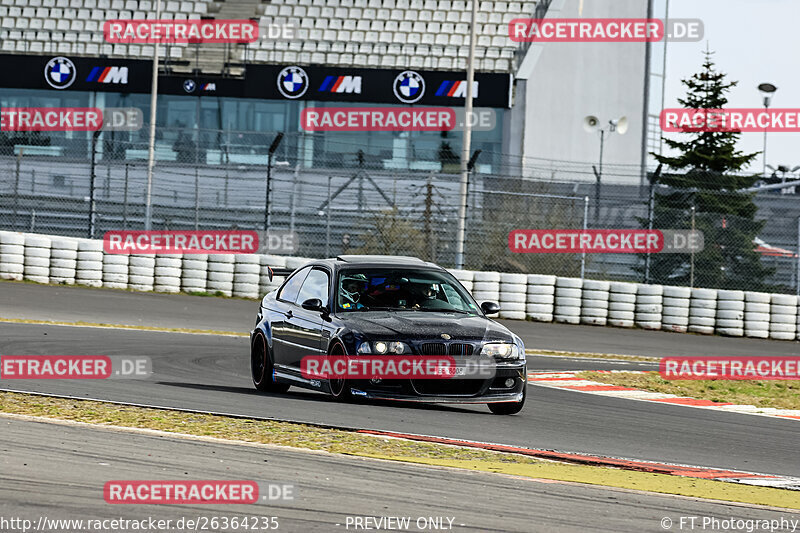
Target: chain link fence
341,198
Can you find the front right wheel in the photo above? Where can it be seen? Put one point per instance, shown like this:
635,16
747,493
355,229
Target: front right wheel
261,366
508,408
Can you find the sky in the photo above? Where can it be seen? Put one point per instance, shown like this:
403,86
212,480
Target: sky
754,41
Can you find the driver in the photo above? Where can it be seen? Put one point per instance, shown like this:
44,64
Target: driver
351,289
425,296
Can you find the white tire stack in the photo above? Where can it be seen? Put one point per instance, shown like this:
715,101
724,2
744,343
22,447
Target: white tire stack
702,311
730,313
756,314
675,313
141,272
783,317
168,272
12,255
115,270
274,261
464,277
513,293
194,272
541,297
486,287
246,275
594,302
568,300
63,260
89,269
37,258
649,305
621,304
220,273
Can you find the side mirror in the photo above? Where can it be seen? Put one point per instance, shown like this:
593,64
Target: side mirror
490,308
313,304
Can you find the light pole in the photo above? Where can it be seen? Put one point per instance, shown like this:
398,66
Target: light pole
591,124
767,89
273,147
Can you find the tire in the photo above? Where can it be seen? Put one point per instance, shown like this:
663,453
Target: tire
696,303
567,319
675,321
90,256
592,294
649,290
677,292
757,325
682,303
63,263
730,315
168,262
521,279
87,245
784,299
220,277
757,297
785,310
339,389
41,262
540,290
166,288
757,333
675,312
487,277
568,310
534,309
704,294
56,272
514,287
8,237
485,286
509,408
622,287
195,264
167,271
568,292
115,278
568,302
621,297
704,322
541,299
115,269
730,305
654,309
622,315
245,279
142,261
705,330
15,249
569,283
144,287
753,307
224,259
261,366
593,312
620,322
12,268
512,306
114,285
140,280
141,271
541,279
512,297
116,259
43,253
648,317
541,317
37,241
36,271
247,259
595,285
65,244
725,294
247,268
512,315
644,299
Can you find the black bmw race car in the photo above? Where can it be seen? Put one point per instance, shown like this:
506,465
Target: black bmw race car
388,306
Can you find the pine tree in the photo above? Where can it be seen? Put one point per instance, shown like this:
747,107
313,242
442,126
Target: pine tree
707,174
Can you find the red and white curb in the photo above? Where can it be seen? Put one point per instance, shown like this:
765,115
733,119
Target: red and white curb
672,469
570,381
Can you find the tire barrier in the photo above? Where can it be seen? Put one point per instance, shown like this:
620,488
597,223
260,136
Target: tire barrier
595,302
37,258
621,304
702,311
486,287
220,273
730,313
675,310
194,273
540,297
246,276
649,305
89,268
513,293
568,300
12,256
783,317
63,261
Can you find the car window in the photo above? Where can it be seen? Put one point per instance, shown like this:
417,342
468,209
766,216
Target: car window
315,286
291,288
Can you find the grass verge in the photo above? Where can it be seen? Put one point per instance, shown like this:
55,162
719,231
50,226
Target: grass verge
766,393
592,355
349,443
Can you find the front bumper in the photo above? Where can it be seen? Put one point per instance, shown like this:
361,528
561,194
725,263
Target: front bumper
491,398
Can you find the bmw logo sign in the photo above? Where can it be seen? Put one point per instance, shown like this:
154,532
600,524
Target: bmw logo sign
292,82
60,72
189,86
408,87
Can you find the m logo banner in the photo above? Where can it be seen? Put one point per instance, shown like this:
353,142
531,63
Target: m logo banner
109,75
341,84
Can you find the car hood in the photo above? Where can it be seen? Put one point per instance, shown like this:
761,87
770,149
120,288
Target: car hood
411,325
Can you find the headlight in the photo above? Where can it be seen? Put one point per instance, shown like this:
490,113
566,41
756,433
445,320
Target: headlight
383,347
501,349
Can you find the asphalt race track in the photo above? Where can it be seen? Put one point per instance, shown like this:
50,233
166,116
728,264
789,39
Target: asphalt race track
210,372
58,472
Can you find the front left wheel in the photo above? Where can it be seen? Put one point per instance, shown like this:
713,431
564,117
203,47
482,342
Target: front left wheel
509,408
261,366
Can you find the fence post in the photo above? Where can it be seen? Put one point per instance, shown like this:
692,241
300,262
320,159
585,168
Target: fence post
196,198
798,256
691,271
125,200
16,186
328,231
585,222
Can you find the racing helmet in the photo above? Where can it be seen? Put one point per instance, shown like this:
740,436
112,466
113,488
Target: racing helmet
351,288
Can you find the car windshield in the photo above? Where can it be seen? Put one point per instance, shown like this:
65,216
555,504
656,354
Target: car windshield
375,289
